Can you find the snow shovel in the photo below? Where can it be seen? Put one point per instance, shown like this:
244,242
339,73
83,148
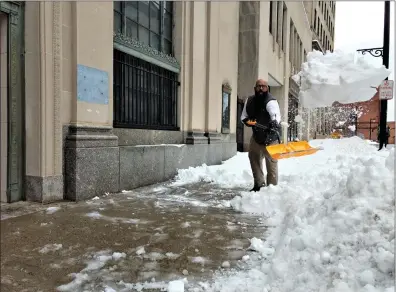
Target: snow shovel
291,149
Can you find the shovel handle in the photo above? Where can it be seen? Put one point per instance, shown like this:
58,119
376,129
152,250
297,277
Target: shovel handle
267,128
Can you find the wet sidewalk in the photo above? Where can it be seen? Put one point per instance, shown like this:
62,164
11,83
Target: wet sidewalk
153,235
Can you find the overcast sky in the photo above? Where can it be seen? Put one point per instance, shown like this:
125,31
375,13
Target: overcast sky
360,25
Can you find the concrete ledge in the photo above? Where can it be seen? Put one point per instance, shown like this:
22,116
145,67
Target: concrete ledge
44,189
134,137
141,165
145,165
94,163
228,150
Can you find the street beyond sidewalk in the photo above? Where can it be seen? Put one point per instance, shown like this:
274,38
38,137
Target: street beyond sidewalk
153,234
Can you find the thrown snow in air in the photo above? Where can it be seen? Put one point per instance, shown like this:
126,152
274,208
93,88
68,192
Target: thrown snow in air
338,76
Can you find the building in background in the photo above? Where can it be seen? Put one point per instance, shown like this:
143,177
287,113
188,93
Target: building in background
274,38
366,123
322,18
317,123
104,96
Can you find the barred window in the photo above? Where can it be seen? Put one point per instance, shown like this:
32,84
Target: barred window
150,22
145,95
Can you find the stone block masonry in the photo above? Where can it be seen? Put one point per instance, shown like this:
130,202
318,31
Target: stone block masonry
95,163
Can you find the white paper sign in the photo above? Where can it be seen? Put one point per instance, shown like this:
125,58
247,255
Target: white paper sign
386,90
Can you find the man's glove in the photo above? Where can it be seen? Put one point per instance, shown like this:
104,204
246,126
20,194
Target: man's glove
274,125
249,123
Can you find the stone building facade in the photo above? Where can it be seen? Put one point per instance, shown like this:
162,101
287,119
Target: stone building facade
100,97
106,96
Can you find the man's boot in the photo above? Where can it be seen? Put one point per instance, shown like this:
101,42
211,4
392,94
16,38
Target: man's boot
256,188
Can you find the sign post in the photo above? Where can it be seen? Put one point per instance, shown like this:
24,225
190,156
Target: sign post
386,90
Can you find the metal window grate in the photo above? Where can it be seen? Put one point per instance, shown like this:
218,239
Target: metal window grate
145,95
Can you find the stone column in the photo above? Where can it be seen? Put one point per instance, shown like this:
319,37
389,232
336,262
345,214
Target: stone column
91,149
249,61
43,71
197,70
213,91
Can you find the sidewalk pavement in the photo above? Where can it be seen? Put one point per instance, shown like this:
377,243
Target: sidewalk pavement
153,234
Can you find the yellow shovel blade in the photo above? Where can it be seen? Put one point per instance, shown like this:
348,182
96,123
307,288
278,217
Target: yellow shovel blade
292,149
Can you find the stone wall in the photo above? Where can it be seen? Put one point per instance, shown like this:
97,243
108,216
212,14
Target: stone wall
96,161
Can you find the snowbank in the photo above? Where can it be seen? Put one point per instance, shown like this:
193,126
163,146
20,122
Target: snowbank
235,173
332,220
327,78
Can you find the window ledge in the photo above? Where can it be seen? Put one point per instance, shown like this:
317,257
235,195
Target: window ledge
137,49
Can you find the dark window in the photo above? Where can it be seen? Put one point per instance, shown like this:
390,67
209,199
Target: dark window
292,113
278,28
150,22
225,113
320,33
291,44
284,28
315,20
145,95
270,18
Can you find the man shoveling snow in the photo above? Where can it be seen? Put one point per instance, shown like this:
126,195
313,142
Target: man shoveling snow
262,109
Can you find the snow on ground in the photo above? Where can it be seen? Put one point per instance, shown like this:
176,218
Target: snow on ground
337,76
50,247
332,218
97,261
52,210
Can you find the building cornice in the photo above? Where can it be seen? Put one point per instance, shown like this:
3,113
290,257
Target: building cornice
135,48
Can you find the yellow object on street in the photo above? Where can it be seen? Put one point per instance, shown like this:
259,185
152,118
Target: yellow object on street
336,135
291,149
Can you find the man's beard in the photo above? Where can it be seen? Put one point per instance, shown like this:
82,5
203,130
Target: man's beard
261,93
260,98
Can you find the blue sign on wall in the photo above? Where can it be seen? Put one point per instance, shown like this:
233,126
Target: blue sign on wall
92,85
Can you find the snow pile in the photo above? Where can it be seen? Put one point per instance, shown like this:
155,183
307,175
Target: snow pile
236,172
176,285
327,78
332,221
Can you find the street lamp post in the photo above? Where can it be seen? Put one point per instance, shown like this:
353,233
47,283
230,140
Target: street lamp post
384,53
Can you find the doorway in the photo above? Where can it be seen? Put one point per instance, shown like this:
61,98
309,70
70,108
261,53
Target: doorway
240,126
12,107
3,104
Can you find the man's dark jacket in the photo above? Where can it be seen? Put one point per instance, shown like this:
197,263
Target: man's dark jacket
256,110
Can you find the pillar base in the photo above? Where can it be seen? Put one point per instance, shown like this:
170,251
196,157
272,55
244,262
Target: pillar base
214,137
44,189
91,165
196,137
